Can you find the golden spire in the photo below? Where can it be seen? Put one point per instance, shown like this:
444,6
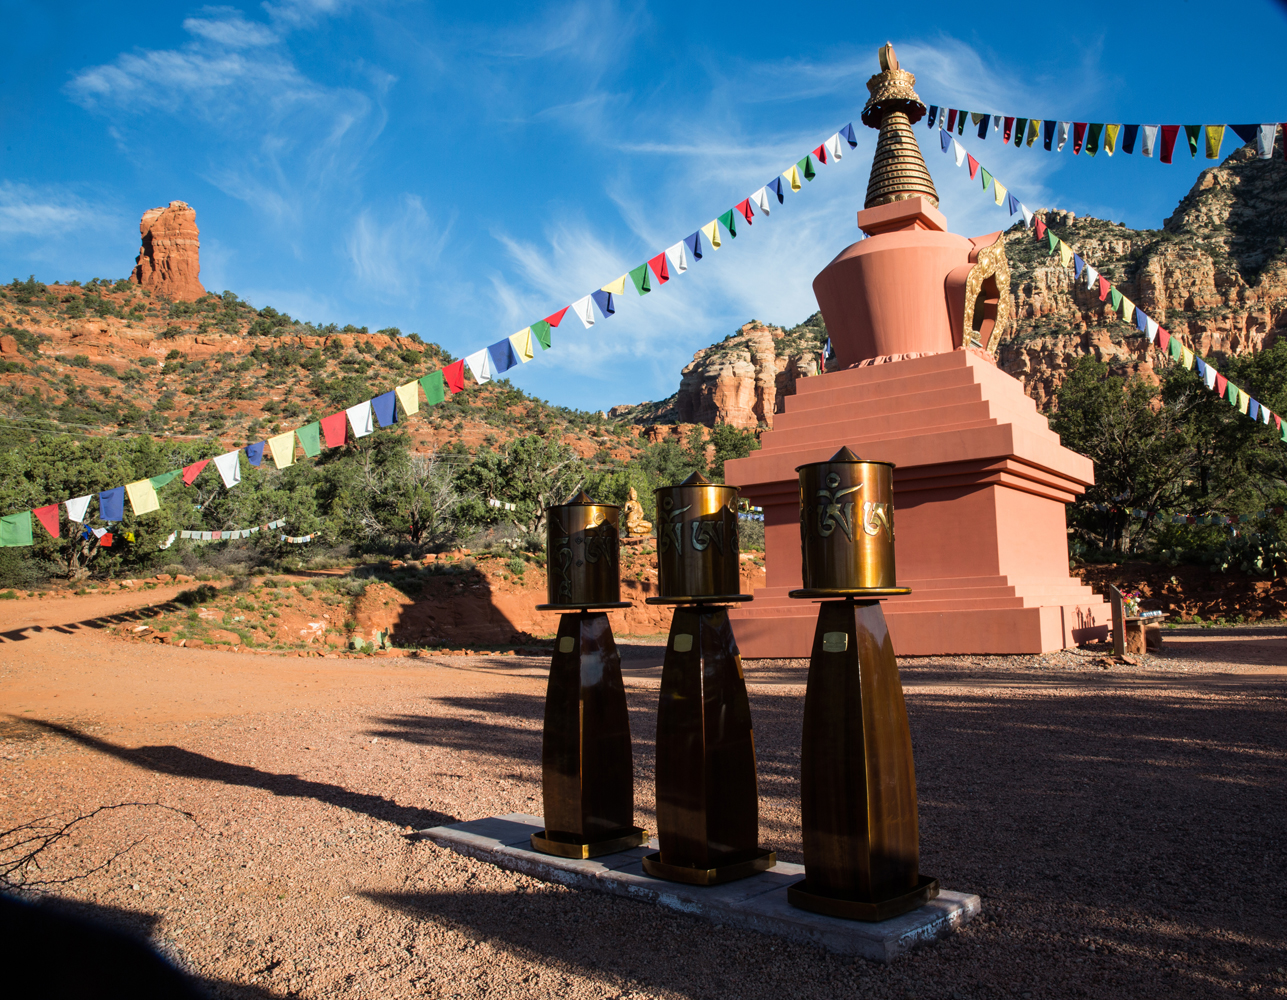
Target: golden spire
898,169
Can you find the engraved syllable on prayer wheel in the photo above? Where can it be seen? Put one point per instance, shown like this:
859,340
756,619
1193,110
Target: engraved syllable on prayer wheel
847,528
697,543
582,554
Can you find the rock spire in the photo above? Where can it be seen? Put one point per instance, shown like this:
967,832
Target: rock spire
169,260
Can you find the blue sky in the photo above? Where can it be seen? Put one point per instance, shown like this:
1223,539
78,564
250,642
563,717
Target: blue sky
463,170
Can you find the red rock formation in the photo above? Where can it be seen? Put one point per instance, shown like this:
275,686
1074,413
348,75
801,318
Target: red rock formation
169,260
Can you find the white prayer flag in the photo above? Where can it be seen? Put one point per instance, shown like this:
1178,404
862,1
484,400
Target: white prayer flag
1063,135
1150,137
1152,328
761,199
1027,214
1265,145
959,152
229,466
996,122
833,146
76,508
480,364
584,310
678,257
1211,377
1092,276
360,419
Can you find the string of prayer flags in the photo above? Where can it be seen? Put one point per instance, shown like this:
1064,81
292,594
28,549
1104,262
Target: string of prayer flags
142,496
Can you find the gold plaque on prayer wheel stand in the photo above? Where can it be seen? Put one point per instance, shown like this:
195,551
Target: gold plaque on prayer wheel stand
587,772
857,780
707,800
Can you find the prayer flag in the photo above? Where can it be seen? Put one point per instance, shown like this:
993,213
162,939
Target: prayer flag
1104,288
820,154
806,168
1243,401
1141,321
163,479
255,453
76,508
16,529
408,397
1027,214
1150,138
1128,309
694,244
190,472
951,119
229,466
360,418
1110,138
556,318
711,232
999,192
983,121
1041,229
1092,278
1247,133
678,256
1034,131
945,138
1079,136
1210,376
1065,251
744,206
658,265
958,151
792,177
1092,138
111,504
1169,134
1151,329
1063,135
435,388
282,446
960,122
1187,359
974,169
603,300
522,344
761,199
617,287
583,308
1020,125
1215,138
730,223
333,429
1191,132
1052,241
975,117
1253,409
775,186
454,374
933,113
142,497
502,353
48,516
1222,386
541,331
1011,203
987,178
1079,265
1115,298
1009,128
1129,133
848,133
1265,141
385,408
640,277
310,438
1047,134
1163,339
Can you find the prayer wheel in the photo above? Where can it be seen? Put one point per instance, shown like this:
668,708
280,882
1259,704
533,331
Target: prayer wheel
587,769
857,779
707,797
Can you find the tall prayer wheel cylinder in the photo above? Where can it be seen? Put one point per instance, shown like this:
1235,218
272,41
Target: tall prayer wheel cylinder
847,528
582,553
697,544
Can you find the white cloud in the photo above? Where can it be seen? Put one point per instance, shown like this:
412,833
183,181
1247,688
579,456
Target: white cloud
49,212
227,27
391,252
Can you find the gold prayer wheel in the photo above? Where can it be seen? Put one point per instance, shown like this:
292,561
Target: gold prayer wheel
847,528
582,556
697,543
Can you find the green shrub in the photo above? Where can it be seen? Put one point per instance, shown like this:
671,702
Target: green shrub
198,595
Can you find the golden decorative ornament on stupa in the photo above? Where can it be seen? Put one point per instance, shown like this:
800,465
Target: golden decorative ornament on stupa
898,169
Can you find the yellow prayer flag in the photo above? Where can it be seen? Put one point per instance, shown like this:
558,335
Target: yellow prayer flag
1034,130
617,287
711,229
522,342
1215,136
282,448
793,177
1187,361
409,396
142,497
998,195
1065,253
1244,401
1128,309
1110,138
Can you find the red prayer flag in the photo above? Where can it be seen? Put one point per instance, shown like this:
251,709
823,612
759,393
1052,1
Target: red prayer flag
454,374
1163,338
1041,229
105,539
1283,126
1079,136
49,518
820,154
1222,384
333,429
1169,132
1009,127
974,166
951,119
659,268
190,472
1278,421
1104,286
744,206
556,319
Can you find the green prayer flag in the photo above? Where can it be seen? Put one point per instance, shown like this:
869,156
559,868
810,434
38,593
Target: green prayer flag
729,223
435,387
640,274
1092,137
541,331
310,439
165,477
1020,126
1231,393
16,529
806,168
1284,431
1192,132
987,177
1175,349
1053,240
1116,298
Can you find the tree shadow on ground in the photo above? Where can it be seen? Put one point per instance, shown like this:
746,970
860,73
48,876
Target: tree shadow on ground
180,763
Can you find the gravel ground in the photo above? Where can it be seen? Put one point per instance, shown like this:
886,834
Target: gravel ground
1124,824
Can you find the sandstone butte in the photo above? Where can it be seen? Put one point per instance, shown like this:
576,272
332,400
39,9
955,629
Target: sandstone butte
169,261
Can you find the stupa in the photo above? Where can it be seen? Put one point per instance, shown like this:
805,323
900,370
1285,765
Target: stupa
981,482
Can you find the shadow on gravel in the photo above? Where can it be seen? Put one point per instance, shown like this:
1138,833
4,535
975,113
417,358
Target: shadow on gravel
477,723
180,763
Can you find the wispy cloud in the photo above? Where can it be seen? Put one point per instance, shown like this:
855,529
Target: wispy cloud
393,251
49,212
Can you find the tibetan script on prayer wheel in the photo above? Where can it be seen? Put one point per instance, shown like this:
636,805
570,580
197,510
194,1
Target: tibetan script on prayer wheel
697,543
582,553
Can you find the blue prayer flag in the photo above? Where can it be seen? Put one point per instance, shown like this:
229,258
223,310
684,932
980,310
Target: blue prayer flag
1079,265
1247,133
111,504
385,410
694,242
1047,134
1141,321
1253,409
502,356
933,113
775,186
984,122
848,133
1129,132
1202,368
1011,203
946,138
603,300
255,452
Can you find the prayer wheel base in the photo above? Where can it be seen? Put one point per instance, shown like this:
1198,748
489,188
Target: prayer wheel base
562,846
802,898
728,871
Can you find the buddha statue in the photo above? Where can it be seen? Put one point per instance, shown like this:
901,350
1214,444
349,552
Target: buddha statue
636,526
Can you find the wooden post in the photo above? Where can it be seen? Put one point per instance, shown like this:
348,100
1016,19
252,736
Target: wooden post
1119,621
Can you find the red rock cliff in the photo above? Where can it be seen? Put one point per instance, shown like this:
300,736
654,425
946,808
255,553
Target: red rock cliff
169,260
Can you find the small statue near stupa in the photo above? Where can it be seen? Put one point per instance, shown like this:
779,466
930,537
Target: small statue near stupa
636,526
